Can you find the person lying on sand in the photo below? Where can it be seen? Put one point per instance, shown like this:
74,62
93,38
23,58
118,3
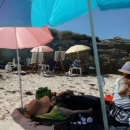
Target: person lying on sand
76,104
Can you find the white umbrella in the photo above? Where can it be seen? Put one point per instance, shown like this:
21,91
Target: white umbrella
77,49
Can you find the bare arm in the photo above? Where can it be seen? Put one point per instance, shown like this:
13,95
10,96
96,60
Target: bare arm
68,112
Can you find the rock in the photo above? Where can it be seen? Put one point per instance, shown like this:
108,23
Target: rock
28,93
113,53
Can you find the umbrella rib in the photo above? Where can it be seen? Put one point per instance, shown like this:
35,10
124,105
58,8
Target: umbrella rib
76,5
33,35
37,39
2,3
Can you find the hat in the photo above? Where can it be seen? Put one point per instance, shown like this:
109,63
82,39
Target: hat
125,68
37,107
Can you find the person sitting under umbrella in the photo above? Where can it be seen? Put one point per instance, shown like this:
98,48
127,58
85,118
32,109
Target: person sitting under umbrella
75,63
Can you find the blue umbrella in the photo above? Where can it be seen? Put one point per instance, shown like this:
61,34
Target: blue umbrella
15,13
37,13
61,11
113,4
55,12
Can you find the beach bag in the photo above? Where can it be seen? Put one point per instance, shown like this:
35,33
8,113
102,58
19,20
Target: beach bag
43,91
119,116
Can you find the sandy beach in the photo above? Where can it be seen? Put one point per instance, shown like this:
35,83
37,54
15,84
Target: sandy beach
11,119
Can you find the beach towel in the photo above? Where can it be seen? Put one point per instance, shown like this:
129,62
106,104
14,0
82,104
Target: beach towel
49,119
52,118
54,115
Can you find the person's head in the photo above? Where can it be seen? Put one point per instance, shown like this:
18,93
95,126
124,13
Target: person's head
37,107
126,76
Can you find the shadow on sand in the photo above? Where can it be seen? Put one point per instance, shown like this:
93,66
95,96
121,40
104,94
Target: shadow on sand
26,123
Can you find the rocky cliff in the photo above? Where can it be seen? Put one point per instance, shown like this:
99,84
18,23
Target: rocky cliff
113,53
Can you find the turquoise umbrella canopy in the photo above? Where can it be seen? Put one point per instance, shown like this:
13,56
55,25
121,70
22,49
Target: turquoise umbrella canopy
38,13
56,12
113,4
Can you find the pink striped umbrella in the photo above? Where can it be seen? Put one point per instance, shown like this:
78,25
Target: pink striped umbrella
42,49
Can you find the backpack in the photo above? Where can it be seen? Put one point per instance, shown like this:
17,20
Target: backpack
43,91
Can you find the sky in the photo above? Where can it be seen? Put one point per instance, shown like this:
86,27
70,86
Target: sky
108,24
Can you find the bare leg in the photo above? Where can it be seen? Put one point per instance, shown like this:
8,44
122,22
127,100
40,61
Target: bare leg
68,112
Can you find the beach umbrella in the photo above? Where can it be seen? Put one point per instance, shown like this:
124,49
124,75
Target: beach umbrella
49,12
19,38
42,49
38,13
55,12
77,49
15,13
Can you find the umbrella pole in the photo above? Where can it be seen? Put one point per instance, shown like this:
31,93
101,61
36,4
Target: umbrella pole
78,55
99,77
37,57
19,69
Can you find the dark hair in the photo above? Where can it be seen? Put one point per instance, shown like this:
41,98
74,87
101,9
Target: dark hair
126,90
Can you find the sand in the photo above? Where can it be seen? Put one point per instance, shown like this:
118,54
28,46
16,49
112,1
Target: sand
11,119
